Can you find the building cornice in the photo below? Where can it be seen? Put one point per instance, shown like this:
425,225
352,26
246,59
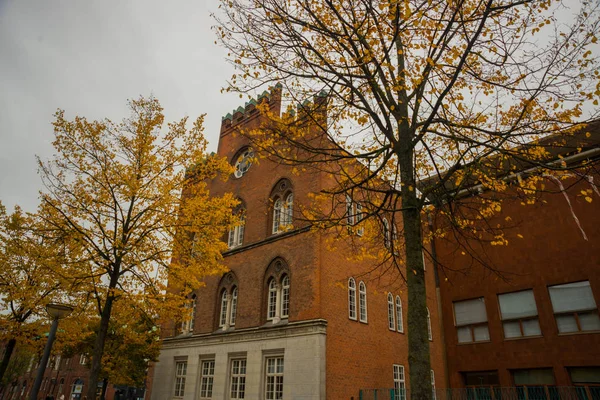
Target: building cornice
270,239
293,329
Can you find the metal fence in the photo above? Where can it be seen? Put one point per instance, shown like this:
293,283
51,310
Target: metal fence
491,393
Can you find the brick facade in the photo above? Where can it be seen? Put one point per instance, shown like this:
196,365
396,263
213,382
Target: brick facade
356,355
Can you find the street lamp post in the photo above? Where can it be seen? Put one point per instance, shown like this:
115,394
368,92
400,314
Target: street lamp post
56,311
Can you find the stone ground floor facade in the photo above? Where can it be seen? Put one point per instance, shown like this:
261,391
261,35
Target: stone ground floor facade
248,363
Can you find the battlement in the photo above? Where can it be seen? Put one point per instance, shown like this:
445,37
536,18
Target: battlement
270,98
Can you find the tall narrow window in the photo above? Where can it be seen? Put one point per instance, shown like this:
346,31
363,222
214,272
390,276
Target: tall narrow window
391,316
574,307
223,317
236,234
272,299
386,233
359,216
362,301
289,209
193,316
429,325
399,383
285,296
277,210
274,378
207,379
349,211
351,299
399,320
433,395
233,312
180,372
238,379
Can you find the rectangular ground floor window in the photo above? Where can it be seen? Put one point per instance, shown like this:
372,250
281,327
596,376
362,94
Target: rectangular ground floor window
535,383
207,379
274,378
238,379
399,383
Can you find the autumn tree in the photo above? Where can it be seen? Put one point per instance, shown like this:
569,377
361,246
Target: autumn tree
113,192
27,282
425,99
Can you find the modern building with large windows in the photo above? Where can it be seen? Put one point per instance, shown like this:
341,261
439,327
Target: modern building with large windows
292,318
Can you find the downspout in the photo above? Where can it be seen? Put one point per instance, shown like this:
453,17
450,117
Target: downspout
438,296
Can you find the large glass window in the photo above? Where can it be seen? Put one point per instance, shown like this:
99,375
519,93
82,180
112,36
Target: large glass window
207,379
470,318
574,307
362,301
238,379
351,299
180,372
519,314
277,212
399,383
274,378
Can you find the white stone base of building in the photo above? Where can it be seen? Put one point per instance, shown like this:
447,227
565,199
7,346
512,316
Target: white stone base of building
301,344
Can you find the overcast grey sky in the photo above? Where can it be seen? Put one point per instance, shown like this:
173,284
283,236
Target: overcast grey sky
88,58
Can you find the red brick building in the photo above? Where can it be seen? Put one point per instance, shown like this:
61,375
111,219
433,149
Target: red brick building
66,377
293,318
532,321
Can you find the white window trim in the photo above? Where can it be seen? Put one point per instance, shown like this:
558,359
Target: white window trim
399,316
233,307
399,382
272,296
349,211
238,375
236,234
429,332
352,299
180,379
285,287
386,233
362,294
275,374
433,393
208,377
224,314
391,312
359,216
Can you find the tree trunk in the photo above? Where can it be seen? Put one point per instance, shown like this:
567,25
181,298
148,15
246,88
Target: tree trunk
96,366
10,347
419,364
104,387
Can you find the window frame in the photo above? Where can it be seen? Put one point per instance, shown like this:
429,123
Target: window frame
349,211
386,233
241,377
575,313
285,296
391,312
233,306
180,378
352,300
399,316
276,374
206,378
471,326
362,298
399,378
223,310
359,217
429,331
244,154
519,319
271,299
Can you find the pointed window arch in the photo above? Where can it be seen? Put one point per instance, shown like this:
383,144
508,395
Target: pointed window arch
352,299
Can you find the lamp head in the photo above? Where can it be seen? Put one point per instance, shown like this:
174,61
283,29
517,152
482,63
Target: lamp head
58,311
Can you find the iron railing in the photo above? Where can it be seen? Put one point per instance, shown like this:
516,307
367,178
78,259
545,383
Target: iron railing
583,392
